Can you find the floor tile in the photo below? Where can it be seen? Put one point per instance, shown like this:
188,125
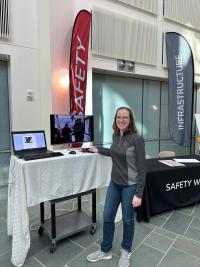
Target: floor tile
32,262
193,233
158,242
34,222
165,233
3,225
146,256
3,208
196,212
3,201
179,259
157,220
5,260
177,223
5,243
34,211
65,251
166,214
196,223
187,245
38,243
3,192
188,210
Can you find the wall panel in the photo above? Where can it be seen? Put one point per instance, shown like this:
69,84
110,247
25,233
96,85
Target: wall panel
183,11
118,36
148,5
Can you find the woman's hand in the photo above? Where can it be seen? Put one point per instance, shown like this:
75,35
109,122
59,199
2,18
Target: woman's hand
93,149
136,201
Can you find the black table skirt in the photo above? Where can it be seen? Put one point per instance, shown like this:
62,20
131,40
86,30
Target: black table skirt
169,187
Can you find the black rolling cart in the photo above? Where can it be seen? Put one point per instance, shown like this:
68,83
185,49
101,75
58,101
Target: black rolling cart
59,227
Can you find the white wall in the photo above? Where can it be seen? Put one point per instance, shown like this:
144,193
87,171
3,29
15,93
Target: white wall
61,21
44,66
24,23
23,52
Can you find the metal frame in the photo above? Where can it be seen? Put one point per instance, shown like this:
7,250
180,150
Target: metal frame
58,229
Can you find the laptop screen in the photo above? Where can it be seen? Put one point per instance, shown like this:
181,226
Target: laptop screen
28,140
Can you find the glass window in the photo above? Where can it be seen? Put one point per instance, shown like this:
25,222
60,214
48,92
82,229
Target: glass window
164,129
151,109
152,148
110,93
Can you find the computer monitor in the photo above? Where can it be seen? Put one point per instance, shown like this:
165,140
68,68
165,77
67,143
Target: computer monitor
71,129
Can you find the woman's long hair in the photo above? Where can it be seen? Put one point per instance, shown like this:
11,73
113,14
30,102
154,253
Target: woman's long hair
132,128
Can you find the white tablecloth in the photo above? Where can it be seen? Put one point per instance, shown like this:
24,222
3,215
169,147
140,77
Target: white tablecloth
33,182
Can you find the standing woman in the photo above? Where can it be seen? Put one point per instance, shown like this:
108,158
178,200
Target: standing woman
126,185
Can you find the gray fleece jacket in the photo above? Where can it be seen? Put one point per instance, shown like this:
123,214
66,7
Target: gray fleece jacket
128,158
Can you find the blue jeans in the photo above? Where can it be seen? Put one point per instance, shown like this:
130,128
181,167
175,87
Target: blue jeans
117,194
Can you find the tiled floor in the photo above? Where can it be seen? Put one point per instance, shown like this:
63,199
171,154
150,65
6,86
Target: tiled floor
171,239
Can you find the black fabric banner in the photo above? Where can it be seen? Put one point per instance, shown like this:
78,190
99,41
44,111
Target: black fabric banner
181,88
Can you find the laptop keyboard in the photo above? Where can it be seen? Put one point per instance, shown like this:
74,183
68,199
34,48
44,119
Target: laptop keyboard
34,156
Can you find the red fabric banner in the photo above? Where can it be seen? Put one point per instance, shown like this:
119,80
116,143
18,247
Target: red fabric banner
79,62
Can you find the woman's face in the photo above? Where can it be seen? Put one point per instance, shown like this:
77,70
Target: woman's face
122,119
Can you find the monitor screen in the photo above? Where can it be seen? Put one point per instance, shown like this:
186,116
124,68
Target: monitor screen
71,129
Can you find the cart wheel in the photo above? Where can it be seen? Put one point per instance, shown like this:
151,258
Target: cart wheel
93,230
40,230
52,247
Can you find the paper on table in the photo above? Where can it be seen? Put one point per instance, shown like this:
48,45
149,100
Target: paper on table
171,163
187,160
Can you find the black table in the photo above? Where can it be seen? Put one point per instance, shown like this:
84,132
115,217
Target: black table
169,187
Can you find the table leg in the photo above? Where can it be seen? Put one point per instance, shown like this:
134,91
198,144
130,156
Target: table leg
42,212
79,203
94,206
53,221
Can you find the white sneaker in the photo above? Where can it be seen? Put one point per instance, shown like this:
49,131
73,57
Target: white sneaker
125,257
99,255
